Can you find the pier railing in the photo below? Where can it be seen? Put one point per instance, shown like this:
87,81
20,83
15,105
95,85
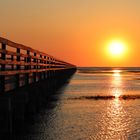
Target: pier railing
21,65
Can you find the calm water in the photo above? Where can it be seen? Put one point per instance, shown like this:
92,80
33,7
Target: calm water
84,113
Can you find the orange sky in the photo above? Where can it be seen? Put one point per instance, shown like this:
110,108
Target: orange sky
74,30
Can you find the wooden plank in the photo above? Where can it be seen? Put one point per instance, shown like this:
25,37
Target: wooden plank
33,57
22,63
12,53
25,55
31,71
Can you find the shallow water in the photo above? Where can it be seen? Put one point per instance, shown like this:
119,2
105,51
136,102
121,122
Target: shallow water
85,110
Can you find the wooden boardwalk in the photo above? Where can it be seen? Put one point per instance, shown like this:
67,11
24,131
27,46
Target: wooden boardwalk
21,65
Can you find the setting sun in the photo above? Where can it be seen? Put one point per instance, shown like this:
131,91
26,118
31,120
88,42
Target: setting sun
116,48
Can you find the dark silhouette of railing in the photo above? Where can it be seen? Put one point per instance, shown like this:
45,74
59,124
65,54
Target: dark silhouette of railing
21,65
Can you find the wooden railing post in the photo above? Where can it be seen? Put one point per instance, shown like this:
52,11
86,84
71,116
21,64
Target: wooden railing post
51,67
40,61
35,67
28,59
40,73
54,67
12,58
48,67
18,68
2,77
44,67
27,68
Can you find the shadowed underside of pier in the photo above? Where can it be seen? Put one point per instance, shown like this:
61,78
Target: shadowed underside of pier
28,79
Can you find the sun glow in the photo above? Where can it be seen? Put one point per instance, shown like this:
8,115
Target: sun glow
116,48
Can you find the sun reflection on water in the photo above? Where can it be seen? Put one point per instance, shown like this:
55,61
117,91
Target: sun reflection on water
117,93
115,122
116,73
115,111
116,83
116,125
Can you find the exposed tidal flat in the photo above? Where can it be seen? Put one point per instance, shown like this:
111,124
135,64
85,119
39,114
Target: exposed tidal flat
95,104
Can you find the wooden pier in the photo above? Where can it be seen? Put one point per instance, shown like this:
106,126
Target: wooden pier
21,65
28,78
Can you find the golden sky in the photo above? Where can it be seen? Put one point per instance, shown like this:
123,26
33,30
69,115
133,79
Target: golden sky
76,31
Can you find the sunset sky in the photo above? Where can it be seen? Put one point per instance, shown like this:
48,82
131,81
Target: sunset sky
77,31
